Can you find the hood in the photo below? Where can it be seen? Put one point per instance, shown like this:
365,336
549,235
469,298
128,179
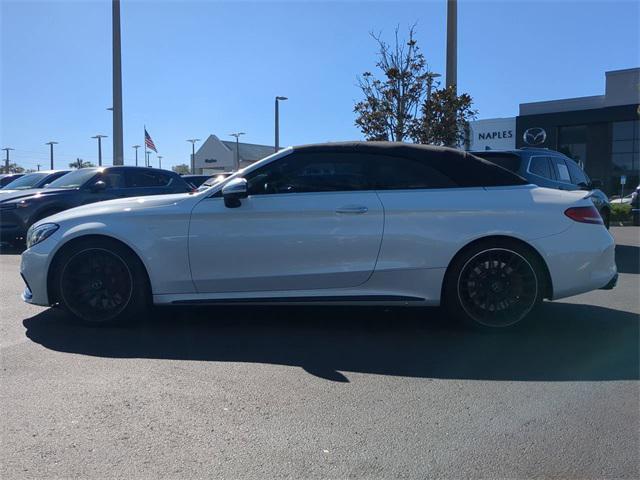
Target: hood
9,195
121,205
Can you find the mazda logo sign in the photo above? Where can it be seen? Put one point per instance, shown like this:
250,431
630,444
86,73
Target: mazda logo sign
534,136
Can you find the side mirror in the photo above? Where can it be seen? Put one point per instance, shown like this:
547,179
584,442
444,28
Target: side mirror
99,186
233,191
596,183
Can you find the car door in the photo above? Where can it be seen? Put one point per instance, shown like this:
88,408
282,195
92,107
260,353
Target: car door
115,187
310,222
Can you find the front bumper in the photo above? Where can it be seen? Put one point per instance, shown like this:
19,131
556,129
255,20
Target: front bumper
34,266
612,283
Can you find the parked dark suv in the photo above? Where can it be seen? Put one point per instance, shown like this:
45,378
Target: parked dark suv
19,210
548,168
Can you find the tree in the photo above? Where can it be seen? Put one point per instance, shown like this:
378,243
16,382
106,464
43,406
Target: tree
13,168
390,104
181,168
444,118
407,103
79,163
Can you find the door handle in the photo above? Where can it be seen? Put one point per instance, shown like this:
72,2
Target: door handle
352,209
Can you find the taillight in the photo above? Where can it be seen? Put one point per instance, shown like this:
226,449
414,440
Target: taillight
584,215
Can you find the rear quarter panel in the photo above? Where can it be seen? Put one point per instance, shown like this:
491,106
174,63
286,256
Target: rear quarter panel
426,228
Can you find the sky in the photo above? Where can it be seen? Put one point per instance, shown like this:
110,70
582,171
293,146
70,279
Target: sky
194,68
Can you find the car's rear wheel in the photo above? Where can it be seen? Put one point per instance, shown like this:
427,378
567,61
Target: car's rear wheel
101,282
493,284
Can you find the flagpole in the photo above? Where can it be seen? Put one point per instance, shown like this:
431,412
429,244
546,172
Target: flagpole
145,146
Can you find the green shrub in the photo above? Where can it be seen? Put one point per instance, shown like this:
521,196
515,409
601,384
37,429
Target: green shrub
620,212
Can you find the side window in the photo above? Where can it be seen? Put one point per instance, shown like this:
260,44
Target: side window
399,173
310,172
540,166
113,179
141,179
578,177
560,169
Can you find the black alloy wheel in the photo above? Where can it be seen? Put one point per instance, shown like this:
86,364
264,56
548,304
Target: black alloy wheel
497,287
100,282
96,285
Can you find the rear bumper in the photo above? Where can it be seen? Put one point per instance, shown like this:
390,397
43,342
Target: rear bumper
580,259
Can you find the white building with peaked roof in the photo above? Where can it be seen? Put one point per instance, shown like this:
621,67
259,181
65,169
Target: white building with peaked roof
216,156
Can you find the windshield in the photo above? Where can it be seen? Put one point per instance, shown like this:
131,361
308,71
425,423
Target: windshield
74,179
30,180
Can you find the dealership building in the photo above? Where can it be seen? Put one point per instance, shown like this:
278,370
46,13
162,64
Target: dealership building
601,132
216,156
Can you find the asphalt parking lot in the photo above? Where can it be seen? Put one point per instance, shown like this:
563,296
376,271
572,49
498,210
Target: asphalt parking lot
324,392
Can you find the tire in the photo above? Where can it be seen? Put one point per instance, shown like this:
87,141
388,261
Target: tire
493,284
101,282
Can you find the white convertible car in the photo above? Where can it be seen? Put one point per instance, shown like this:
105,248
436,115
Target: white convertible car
363,222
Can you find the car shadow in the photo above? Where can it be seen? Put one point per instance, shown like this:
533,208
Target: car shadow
562,342
628,259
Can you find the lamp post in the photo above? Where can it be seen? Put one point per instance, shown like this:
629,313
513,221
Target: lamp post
136,147
193,141
99,137
159,161
51,144
430,78
118,150
147,161
6,160
452,44
277,145
237,135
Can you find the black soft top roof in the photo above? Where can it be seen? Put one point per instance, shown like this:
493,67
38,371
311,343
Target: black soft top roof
465,169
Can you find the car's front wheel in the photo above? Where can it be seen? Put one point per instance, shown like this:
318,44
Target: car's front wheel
493,284
100,282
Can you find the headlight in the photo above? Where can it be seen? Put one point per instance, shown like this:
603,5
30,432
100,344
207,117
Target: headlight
40,233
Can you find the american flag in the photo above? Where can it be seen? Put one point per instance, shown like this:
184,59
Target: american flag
148,142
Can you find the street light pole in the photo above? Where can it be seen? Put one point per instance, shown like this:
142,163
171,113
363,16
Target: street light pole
277,140
51,144
136,147
147,163
118,150
452,44
430,79
193,153
6,161
159,161
99,137
237,135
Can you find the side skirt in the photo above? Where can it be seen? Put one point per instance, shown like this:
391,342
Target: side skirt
319,300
